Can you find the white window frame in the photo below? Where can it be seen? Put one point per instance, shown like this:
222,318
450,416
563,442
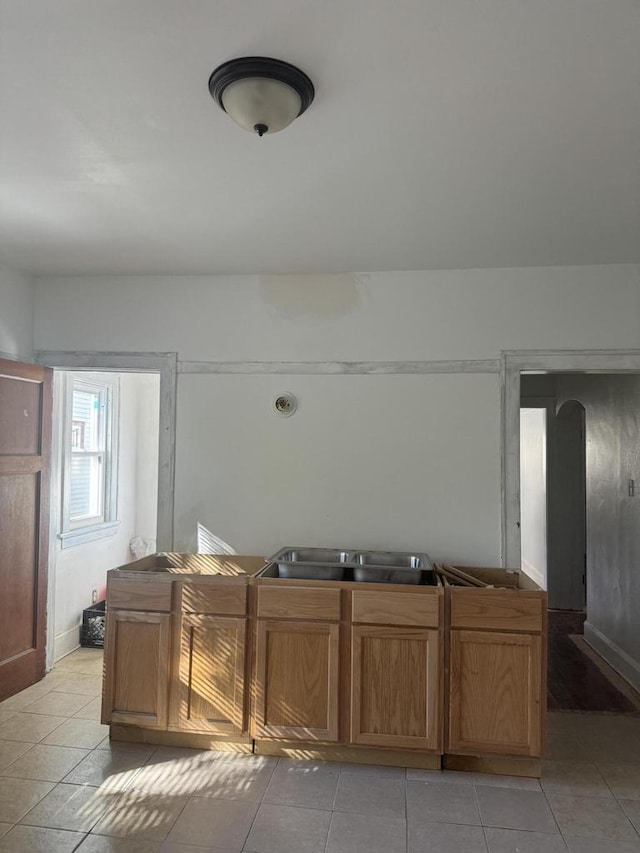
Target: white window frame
78,532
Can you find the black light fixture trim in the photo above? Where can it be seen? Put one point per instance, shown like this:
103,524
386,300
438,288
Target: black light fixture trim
261,66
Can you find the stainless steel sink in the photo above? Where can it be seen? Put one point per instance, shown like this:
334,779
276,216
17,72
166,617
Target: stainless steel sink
346,564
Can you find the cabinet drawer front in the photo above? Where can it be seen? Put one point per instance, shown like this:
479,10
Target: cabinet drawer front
218,598
395,608
497,610
290,602
125,594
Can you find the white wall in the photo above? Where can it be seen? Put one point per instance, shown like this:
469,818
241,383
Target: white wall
80,569
533,494
259,481
147,437
17,308
612,406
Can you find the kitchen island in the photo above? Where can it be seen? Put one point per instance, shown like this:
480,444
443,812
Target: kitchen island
223,653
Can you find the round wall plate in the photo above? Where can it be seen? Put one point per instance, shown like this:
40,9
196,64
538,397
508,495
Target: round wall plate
285,404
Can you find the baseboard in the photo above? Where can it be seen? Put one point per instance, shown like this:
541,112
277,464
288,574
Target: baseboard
66,643
532,572
616,657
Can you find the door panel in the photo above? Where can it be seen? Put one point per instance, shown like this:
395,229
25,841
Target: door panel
212,670
395,687
136,667
25,439
495,701
297,680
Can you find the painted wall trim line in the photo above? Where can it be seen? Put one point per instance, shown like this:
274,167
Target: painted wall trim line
513,362
164,363
488,365
624,664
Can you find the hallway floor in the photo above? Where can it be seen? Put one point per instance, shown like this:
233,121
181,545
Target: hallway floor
64,787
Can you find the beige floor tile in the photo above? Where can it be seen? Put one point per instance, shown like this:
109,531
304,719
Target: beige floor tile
92,711
288,829
518,841
4,828
170,847
135,814
309,766
85,685
223,823
6,715
622,779
448,776
18,796
426,837
352,833
310,787
29,728
373,770
11,750
113,769
83,661
451,803
573,778
524,783
48,763
632,810
76,807
511,808
85,734
106,844
594,845
32,839
591,817
371,795
180,772
58,704
27,696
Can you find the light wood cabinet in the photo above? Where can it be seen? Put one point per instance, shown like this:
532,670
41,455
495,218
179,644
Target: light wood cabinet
297,680
136,668
209,687
395,696
495,699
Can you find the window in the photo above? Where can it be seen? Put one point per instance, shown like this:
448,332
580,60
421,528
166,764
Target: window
90,464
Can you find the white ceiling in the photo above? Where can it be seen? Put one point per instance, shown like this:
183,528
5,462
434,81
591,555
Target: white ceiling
444,134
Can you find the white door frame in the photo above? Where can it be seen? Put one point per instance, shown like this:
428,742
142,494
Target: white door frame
164,363
513,362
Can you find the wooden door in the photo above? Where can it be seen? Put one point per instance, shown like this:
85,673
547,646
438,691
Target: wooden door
395,687
297,680
495,693
211,674
25,450
136,669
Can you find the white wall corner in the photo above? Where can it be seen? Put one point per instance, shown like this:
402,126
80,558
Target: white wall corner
624,664
534,573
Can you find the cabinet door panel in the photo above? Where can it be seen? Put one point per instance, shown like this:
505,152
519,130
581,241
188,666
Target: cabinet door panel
212,674
495,693
297,680
395,692
136,667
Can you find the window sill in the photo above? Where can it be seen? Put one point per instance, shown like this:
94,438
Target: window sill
92,533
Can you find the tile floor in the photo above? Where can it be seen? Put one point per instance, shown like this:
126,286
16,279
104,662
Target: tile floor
64,787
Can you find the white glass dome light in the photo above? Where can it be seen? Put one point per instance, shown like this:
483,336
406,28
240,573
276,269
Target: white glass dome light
261,95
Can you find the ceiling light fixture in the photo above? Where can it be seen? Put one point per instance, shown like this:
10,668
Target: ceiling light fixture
260,94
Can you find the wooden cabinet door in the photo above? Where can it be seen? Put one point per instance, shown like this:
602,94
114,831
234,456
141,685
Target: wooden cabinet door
136,668
297,680
495,693
395,687
210,687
